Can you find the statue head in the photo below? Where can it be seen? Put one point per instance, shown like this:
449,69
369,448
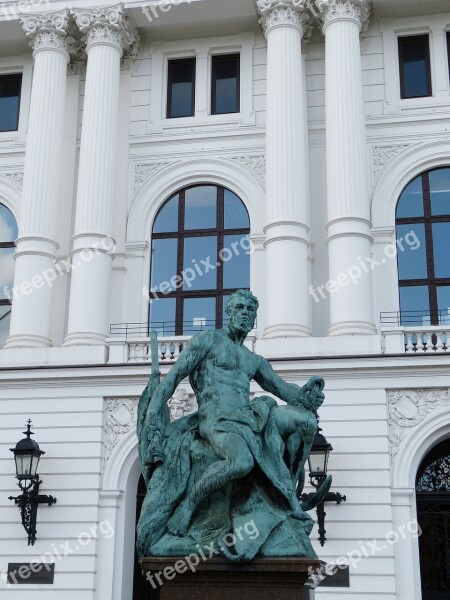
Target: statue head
241,309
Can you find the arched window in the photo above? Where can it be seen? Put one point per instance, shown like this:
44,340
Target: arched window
433,514
200,255
423,213
8,234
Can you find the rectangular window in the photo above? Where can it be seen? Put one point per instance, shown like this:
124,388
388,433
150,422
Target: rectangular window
225,84
181,88
415,72
10,86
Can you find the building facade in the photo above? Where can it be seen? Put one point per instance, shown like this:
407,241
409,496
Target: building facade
155,157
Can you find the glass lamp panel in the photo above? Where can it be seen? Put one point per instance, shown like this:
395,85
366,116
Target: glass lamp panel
410,203
317,462
24,464
167,218
201,207
164,264
34,464
199,314
236,261
441,246
236,215
440,192
415,305
200,263
412,260
5,320
162,316
8,225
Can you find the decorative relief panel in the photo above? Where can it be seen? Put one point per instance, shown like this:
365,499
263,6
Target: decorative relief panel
121,417
408,408
142,173
16,178
381,155
255,164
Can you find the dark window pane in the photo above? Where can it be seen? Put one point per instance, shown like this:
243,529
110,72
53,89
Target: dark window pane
415,305
164,264
440,191
167,218
6,271
10,86
414,66
412,261
199,314
236,261
162,316
201,207
410,203
181,92
225,318
443,295
197,274
236,215
225,81
441,247
5,319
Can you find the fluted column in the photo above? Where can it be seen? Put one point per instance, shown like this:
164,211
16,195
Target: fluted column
107,34
349,239
35,273
287,217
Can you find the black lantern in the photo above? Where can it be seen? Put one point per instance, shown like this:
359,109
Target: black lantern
318,467
26,455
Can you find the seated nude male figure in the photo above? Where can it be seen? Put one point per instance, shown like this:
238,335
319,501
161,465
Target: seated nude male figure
220,369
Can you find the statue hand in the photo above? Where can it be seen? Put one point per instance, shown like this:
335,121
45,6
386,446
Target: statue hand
313,392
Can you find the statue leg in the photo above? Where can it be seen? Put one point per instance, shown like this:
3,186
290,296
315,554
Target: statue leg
237,461
297,426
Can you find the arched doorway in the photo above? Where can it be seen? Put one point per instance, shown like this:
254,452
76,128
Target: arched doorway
433,514
142,590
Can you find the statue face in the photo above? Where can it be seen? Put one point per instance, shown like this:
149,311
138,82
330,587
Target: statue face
243,315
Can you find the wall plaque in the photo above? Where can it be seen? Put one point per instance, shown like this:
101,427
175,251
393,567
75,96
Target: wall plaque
31,573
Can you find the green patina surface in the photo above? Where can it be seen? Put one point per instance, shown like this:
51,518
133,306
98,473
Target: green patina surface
231,473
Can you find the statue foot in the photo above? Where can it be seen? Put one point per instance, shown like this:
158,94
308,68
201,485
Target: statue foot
179,522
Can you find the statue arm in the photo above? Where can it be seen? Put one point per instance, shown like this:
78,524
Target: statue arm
309,396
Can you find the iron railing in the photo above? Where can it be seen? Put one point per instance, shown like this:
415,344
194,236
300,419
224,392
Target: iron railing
415,318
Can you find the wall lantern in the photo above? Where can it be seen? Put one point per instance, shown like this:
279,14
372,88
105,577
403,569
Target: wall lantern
318,466
26,455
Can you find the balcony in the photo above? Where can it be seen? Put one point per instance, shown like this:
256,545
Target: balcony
416,332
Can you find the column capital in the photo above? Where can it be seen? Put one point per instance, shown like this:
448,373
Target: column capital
357,11
106,25
50,31
282,13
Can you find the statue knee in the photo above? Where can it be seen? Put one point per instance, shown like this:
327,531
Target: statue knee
310,426
243,465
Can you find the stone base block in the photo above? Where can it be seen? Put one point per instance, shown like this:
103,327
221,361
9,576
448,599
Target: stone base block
219,579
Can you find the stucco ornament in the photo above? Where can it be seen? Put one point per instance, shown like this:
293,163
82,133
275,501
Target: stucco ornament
106,25
355,10
407,409
286,12
232,461
51,31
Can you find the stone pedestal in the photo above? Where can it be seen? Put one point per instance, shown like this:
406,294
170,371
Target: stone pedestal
218,579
